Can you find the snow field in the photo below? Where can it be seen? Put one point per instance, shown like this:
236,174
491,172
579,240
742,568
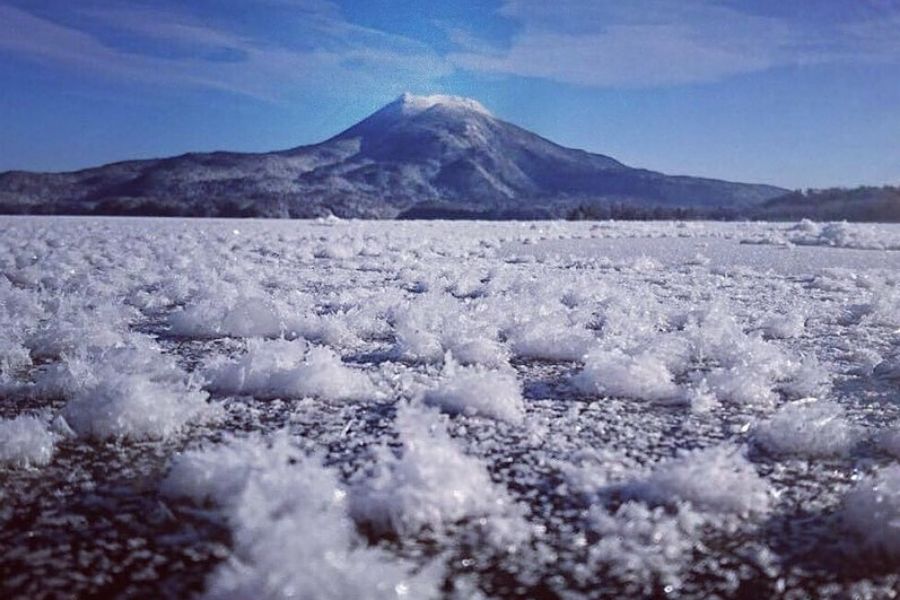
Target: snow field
503,409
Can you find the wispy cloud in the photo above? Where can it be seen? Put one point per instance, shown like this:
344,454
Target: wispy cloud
646,43
330,51
597,43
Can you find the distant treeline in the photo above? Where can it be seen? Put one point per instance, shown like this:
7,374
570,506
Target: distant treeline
631,212
867,203
141,207
876,204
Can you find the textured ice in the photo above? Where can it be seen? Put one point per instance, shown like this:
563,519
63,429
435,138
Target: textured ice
717,479
872,512
431,483
807,428
337,408
478,391
289,369
133,392
26,441
292,534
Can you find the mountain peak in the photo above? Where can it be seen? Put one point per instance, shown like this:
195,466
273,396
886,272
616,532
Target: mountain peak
411,104
418,151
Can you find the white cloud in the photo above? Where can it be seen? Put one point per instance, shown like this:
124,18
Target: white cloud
645,43
334,52
599,43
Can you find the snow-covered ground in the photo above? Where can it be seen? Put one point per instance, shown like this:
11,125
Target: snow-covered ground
339,409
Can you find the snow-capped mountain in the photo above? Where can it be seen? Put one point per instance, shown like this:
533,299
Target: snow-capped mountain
419,155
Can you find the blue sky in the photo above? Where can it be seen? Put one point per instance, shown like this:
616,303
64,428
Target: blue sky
792,92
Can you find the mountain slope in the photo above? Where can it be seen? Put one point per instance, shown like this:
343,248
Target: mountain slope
442,152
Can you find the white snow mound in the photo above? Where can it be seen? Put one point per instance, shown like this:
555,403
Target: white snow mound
477,391
872,512
431,483
134,392
807,428
717,479
614,373
288,369
290,528
26,441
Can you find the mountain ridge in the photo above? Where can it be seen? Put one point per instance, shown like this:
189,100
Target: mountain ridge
434,151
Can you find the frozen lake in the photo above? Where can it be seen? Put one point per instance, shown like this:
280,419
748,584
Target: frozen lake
357,409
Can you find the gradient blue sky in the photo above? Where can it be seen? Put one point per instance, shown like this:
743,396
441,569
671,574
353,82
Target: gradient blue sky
792,92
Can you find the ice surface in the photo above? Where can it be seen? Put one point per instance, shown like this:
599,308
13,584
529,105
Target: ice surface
337,408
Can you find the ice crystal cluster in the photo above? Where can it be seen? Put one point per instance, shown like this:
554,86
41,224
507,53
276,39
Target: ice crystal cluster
342,409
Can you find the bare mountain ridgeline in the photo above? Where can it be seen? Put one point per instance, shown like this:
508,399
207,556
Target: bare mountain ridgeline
418,156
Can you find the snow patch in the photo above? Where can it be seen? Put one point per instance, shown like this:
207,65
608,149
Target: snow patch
411,104
645,546
288,369
807,428
478,391
290,528
890,441
718,479
614,373
871,511
26,441
133,392
215,317
431,483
